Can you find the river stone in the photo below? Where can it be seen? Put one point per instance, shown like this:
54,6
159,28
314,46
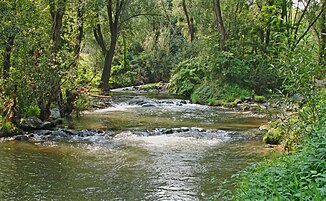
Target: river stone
30,123
148,105
264,128
168,131
185,129
46,125
176,130
21,138
55,113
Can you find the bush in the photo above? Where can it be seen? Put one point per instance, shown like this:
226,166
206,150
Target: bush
82,103
187,75
209,92
273,136
290,177
297,176
32,110
7,128
259,99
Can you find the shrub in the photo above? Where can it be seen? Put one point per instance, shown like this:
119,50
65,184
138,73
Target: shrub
7,128
259,99
32,110
273,136
187,75
83,102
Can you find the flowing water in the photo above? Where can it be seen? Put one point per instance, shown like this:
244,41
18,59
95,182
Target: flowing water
142,159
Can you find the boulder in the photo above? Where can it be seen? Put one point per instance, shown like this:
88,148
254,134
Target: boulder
55,113
21,138
46,125
30,123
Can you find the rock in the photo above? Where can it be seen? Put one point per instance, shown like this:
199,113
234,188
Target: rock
148,105
244,107
55,113
46,125
168,131
30,123
185,129
264,128
21,138
248,99
57,121
183,102
176,130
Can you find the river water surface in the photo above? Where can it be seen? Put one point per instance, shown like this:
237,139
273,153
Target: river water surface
190,164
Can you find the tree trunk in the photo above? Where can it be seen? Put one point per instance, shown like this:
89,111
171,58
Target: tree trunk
106,74
220,24
57,11
114,21
7,57
97,31
323,36
189,21
80,35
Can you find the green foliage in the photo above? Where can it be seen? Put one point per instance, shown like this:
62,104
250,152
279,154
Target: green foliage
260,99
82,103
32,110
209,92
289,177
7,128
123,76
297,176
273,136
187,75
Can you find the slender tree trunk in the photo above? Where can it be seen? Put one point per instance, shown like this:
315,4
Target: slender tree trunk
97,31
80,35
7,57
220,24
189,21
57,11
114,21
108,64
323,36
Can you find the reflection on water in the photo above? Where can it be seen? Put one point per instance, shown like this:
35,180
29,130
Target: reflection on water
132,168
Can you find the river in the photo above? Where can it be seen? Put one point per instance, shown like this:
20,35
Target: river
159,148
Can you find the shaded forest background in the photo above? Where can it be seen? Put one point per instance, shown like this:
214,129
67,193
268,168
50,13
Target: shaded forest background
207,50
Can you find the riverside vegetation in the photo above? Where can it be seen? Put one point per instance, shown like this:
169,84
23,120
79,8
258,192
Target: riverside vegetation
219,53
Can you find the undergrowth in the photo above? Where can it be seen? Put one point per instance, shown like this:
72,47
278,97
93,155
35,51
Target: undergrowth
299,175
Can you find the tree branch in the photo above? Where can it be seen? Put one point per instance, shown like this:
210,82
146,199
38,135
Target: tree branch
309,27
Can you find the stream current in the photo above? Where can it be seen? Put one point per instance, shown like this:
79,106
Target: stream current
153,148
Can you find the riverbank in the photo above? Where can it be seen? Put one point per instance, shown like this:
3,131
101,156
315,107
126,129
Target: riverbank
299,175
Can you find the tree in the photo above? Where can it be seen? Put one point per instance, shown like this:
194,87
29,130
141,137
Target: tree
114,18
119,12
220,24
190,20
323,35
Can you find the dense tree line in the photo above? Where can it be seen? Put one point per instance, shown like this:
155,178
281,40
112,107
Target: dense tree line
49,48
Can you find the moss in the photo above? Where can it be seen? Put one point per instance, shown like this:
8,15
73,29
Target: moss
230,105
273,136
237,101
260,99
